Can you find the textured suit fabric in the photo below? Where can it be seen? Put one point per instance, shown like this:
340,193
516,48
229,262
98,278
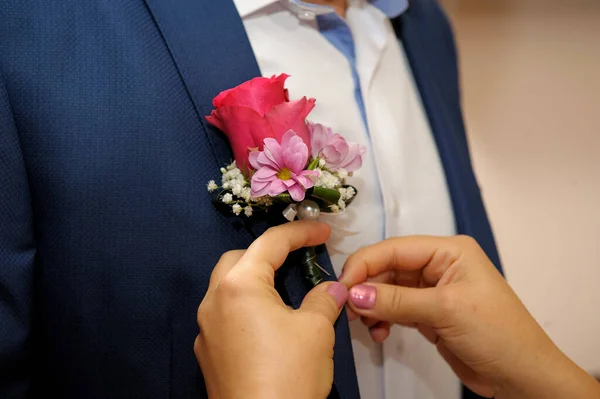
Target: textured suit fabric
107,233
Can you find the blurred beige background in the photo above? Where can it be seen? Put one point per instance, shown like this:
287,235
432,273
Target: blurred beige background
531,93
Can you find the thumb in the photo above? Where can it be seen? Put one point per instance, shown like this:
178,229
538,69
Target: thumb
396,304
326,299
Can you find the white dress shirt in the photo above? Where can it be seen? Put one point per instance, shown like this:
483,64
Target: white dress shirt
401,186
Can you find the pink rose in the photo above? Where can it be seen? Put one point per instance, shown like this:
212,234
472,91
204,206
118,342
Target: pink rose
334,149
256,110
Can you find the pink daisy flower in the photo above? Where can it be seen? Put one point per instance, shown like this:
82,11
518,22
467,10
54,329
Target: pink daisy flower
280,168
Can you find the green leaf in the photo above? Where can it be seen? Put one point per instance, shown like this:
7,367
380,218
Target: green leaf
324,197
313,164
283,198
329,195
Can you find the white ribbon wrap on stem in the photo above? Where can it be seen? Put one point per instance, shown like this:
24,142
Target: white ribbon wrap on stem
290,212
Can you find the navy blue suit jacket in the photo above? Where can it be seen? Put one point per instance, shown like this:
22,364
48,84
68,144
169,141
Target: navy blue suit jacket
107,233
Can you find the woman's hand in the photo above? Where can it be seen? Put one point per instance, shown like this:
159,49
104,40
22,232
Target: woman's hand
251,345
451,292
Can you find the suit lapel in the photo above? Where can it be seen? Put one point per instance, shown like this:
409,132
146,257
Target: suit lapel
209,46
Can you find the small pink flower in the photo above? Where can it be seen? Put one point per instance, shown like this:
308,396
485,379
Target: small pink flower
280,168
334,149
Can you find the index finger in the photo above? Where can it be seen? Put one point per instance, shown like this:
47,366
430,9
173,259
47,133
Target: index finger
430,255
270,250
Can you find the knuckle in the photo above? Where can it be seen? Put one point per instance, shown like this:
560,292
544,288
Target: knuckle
352,259
230,286
202,314
321,331
395,302
230,256
271,234
321,324
447,301
445,256
465,241
329,339
265,241
197,350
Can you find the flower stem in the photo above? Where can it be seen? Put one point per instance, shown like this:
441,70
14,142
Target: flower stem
313,164
310,267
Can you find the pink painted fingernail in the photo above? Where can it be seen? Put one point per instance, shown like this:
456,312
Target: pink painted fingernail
339,292
363,296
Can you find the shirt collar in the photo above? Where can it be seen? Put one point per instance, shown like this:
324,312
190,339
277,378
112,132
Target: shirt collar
391,8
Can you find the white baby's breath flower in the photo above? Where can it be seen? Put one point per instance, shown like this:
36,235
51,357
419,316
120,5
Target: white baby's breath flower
264,200
248,211
236,189
350,193
341,204
211,186
346,193
327,180
233,174
237,209
342,173
246,194
223,171
321,162
232,179
231,166
227,198
334,208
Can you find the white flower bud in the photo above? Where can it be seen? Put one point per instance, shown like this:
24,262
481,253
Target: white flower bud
246,194
228,198
211,186
350,193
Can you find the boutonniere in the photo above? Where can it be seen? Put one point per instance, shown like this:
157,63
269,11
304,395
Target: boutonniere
282,162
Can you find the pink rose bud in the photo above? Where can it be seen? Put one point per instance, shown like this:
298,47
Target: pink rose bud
334,149
256,110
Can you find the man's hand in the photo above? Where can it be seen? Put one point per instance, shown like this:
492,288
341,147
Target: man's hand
251,345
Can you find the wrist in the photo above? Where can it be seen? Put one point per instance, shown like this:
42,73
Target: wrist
531,376
551,375
248,390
